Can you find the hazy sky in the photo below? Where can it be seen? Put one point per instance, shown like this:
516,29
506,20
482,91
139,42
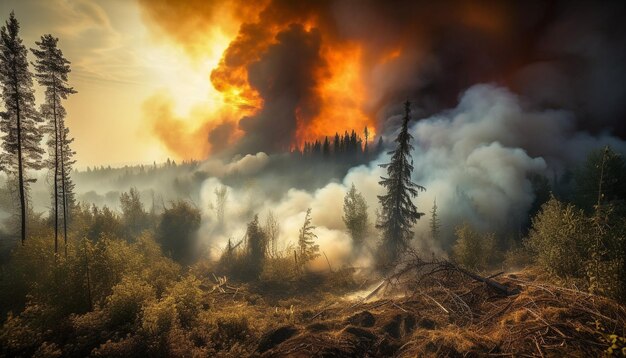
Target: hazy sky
117,64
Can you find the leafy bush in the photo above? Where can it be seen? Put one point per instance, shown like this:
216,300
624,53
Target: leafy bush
569,245
187,297
278,271
127,299
474,250
559,239
177,229
159,317
231,327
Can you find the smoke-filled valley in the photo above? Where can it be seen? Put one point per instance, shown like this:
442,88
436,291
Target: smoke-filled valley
362,179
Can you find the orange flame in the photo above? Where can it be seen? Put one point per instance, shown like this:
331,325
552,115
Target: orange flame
342,95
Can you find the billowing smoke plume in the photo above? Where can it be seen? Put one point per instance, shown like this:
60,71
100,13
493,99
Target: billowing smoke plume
302,70
475,159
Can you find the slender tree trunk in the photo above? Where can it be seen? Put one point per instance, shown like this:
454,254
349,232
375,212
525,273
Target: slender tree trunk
87,274
56,173
20,169
64,188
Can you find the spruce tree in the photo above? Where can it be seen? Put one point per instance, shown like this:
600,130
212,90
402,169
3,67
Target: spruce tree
20,121
398,214
51,73
435,223
326,148
306,241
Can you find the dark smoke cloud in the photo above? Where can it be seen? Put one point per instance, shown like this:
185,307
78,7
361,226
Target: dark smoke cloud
284,80
557,54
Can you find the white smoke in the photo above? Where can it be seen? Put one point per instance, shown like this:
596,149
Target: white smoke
248,165
474,159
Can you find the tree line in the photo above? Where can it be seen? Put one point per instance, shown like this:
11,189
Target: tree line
348,147
23,126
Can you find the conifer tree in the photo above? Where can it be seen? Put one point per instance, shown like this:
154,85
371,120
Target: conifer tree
380,146
336,145
306,241
435,223
398,213
326,148
20,121
51,73
366,134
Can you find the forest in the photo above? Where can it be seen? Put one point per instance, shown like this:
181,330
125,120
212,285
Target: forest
489,228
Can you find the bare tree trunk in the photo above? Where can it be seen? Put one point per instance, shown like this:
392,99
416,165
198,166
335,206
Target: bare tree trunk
20,169
64,188
56,174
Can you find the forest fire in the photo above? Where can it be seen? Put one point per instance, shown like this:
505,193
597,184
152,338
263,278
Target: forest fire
333,104
342,95
327,91
341,178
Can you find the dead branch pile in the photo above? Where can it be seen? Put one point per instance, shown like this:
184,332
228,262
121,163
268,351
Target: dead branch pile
435,308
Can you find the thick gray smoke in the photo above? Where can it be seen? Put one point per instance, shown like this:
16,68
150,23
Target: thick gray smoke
474,159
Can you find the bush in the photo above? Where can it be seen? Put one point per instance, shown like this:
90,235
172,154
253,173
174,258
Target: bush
567,244
473,250
159,317
187,297
559,239
177,229
125,303
278,271
517,258
231,327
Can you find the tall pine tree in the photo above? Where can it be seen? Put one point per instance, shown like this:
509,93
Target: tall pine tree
398,214
51,73
20,121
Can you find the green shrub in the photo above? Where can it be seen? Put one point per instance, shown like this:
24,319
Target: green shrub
569,245
559,239
231,327
125,303
159,317
177,229
473,250
188,298
278,271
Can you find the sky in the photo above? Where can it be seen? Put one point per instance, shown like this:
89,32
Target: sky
193,79
118,64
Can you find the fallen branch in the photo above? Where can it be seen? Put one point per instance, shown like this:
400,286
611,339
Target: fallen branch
489,282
